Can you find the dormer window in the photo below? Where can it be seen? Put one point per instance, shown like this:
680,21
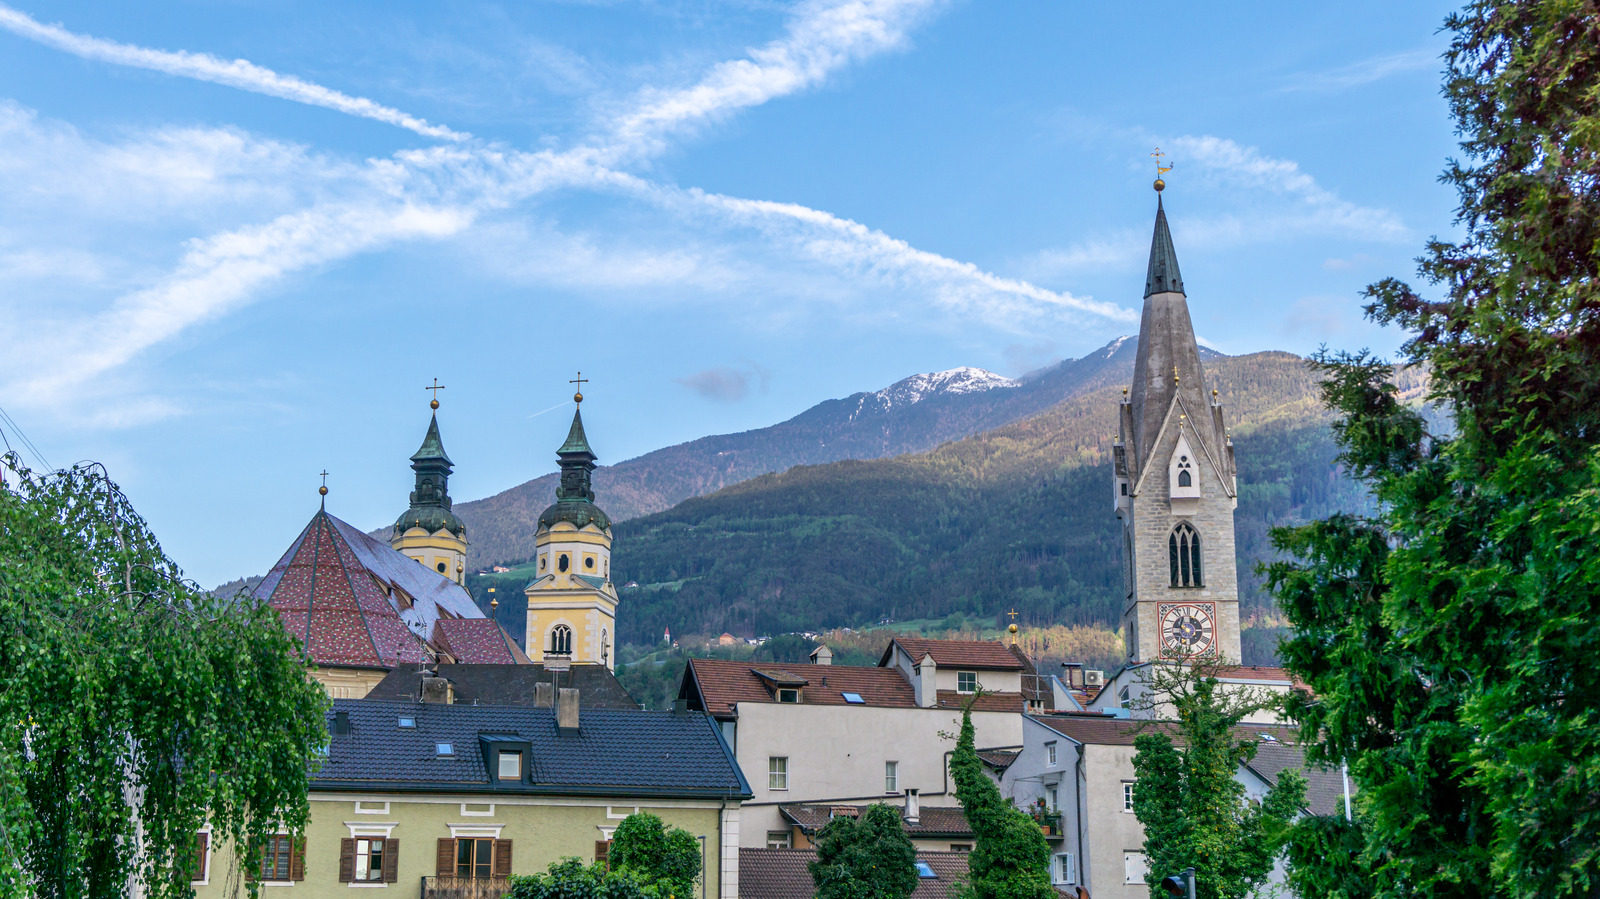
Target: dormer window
788,695
510,765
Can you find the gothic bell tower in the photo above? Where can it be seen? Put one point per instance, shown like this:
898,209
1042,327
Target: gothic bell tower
1174,483
429,531
572,604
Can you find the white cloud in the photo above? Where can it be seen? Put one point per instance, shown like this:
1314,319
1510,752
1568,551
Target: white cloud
238,73
1367,71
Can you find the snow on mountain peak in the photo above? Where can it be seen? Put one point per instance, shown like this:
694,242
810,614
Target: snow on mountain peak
965,379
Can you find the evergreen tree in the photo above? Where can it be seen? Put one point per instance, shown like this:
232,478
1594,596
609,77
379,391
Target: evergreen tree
866,858
134,707
1450,639
1010,858
1195,814
644,847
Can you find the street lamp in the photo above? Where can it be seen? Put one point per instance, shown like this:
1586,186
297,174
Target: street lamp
1180,885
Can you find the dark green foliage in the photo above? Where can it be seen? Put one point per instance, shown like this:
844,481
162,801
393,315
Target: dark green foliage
1010,858
1015,517
1452,638
1325,859
114,671
866,858
646,849
1193,810
572,879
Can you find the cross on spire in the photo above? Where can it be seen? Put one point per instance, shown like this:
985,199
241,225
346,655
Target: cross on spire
323,490
580,380
1013,614
434,403
1161,169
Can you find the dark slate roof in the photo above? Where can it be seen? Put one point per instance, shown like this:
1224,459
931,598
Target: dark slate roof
988,655
999,759
932,821
614,753
355,601
509,684
1324,787
432,444
717,685
782,874
1162,275
1105,730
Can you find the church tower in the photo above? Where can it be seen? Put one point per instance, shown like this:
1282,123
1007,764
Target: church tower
428,531
1175,484
572,604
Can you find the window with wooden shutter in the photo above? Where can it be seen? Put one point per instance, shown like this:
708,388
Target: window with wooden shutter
391,861
445,864
297,860
347,860
602,852
502,858
202,854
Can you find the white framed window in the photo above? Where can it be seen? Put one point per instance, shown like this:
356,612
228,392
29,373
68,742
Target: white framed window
966,681
1052,797
891,777
788,694
510,765
1127,795
778,772
1065,869
369,859
1134,867
779,839
1050,753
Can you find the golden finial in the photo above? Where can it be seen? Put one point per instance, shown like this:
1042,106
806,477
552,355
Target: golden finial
493,602
1174,374
1213,393
434,403
323,490
580,380
1160,170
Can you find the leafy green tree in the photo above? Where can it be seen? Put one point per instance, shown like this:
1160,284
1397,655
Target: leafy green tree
1195,814
570,878
1450,638
866,858
134,707
644,847
1010,858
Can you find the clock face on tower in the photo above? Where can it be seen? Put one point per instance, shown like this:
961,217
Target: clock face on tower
1188,627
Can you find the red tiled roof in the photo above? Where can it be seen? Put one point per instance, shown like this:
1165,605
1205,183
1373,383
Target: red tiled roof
782,874
998,758
722,684
989,655
941,820
478,641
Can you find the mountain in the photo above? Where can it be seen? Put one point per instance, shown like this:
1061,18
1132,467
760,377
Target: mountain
909,416
1019,516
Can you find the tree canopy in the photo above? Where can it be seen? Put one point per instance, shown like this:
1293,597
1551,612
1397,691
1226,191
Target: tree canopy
866,858
1450,638
1010,858
644,847
134,707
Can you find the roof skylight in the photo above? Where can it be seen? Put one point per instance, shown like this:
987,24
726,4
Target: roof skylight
444,748
853,698
407,722
925,870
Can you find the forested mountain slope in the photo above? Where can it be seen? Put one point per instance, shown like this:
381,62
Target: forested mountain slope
1019,516
912,415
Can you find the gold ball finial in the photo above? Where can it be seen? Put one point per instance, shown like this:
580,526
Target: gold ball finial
1213,392
322,491
433,404
1160,185
577,397
1012,628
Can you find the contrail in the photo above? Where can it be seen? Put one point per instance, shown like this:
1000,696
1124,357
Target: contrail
239,73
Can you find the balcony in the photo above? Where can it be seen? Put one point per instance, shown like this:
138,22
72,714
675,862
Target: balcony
465,887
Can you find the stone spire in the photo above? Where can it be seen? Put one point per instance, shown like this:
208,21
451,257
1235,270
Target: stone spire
1167,366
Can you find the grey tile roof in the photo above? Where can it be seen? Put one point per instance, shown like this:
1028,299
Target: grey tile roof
614,753
782,874
508,684
944,821
1324,787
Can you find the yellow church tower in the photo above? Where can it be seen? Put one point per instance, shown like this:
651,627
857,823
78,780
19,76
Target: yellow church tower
429,531
572,604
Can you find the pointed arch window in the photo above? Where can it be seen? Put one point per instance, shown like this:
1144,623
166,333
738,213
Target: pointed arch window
561,640
1183,554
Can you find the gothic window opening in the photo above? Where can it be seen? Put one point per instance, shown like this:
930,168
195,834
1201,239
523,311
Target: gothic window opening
1183,555
561,640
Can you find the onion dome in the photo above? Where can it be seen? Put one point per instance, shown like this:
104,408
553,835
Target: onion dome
575,493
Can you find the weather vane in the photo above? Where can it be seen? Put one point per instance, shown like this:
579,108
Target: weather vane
580,380
1160,169
434,403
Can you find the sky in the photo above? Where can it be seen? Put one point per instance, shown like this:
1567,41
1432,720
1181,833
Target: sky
239,239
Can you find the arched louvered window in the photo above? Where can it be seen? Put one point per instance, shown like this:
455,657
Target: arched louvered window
1184,478
561,640
1183,554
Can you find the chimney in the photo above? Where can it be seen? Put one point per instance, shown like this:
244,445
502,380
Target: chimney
822,655
437,689
913,807
567,711
927,685
544,695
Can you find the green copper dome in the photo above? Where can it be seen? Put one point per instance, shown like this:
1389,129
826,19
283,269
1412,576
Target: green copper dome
575,493
430,499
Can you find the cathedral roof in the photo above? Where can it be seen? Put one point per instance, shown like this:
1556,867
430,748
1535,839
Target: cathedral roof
1162,275
577,441
432,446
430,499
355,602
575,491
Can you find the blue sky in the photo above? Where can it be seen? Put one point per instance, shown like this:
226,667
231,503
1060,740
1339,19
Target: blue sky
238,239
